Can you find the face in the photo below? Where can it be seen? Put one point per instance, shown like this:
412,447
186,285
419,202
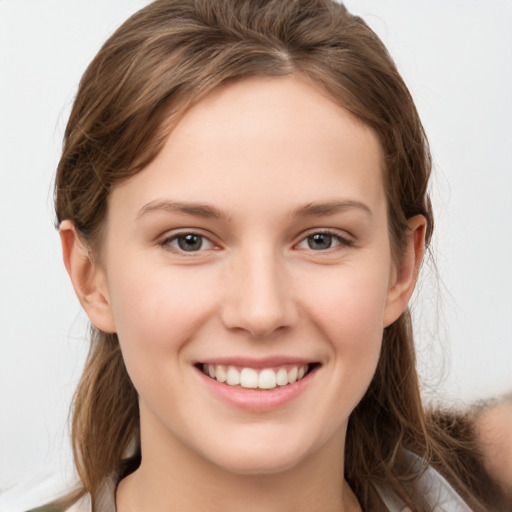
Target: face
248,274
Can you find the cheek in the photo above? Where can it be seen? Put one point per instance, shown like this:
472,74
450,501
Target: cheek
349,304
345,309
348,311
157,311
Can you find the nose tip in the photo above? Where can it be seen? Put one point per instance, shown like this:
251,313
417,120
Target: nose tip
261,323
260,302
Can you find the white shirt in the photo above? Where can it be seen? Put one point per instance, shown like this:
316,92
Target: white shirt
433,486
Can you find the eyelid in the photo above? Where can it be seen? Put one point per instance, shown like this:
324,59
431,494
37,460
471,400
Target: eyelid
165,241
341,236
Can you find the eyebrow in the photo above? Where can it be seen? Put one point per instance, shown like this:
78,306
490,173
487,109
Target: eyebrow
329,208
207,211
195,209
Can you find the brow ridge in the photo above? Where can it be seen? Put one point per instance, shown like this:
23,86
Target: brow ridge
195,209
314,209
330,208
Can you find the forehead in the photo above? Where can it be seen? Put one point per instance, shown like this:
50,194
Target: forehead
263,139
272,111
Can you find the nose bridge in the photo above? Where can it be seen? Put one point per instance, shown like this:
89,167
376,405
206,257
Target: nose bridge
259,298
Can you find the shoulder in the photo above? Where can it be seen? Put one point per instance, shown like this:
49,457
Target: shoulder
493,425
43,493
55,493
431,486
439,493
82,505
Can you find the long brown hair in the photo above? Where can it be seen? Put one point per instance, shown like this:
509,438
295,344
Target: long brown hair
159,62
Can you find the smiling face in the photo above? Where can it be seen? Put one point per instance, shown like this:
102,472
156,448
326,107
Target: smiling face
248,274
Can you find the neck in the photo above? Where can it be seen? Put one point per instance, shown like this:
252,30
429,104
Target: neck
162,484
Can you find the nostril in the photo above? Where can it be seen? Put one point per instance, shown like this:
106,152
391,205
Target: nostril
259,303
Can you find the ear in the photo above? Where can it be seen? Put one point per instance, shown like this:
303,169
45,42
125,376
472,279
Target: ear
88,280
406,271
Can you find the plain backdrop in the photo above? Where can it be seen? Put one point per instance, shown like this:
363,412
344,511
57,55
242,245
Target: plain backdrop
455,57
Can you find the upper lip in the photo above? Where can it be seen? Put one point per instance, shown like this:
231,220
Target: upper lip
251,362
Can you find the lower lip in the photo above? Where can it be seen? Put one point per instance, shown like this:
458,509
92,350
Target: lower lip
257,400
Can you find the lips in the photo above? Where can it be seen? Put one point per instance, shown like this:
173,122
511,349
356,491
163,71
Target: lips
256,378
257,386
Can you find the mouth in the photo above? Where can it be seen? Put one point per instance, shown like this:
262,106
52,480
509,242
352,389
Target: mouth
266,378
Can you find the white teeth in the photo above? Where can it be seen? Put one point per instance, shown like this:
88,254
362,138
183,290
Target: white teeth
220,374
292,374
233,376
282,377
248,378
266,378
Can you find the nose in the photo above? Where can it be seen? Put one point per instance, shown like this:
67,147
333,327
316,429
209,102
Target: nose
258,296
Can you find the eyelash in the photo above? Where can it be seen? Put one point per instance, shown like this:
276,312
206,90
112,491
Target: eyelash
167,242
342,241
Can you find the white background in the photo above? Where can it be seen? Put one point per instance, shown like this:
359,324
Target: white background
456,58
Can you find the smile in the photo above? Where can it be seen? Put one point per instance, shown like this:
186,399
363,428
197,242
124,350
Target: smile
252,378
257,386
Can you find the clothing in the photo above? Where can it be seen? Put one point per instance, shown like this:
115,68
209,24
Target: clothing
433,486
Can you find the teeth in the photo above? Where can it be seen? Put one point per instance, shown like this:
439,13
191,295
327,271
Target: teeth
220,374
282,377
233,376
266,378
248,378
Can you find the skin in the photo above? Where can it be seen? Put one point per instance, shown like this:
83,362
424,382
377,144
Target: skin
260,152
493,428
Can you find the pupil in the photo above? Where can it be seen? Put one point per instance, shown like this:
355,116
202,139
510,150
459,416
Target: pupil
320,241
190,242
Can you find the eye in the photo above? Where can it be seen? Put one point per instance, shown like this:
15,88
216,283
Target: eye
187,242
322,241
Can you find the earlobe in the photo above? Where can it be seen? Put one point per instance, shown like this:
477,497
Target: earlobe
87,279
406,272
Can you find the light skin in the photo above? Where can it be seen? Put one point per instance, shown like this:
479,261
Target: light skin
494,428
280,191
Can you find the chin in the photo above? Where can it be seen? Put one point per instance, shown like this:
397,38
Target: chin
265,457
259,464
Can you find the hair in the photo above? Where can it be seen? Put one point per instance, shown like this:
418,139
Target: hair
161,61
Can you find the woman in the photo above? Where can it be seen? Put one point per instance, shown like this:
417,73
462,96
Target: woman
243,211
